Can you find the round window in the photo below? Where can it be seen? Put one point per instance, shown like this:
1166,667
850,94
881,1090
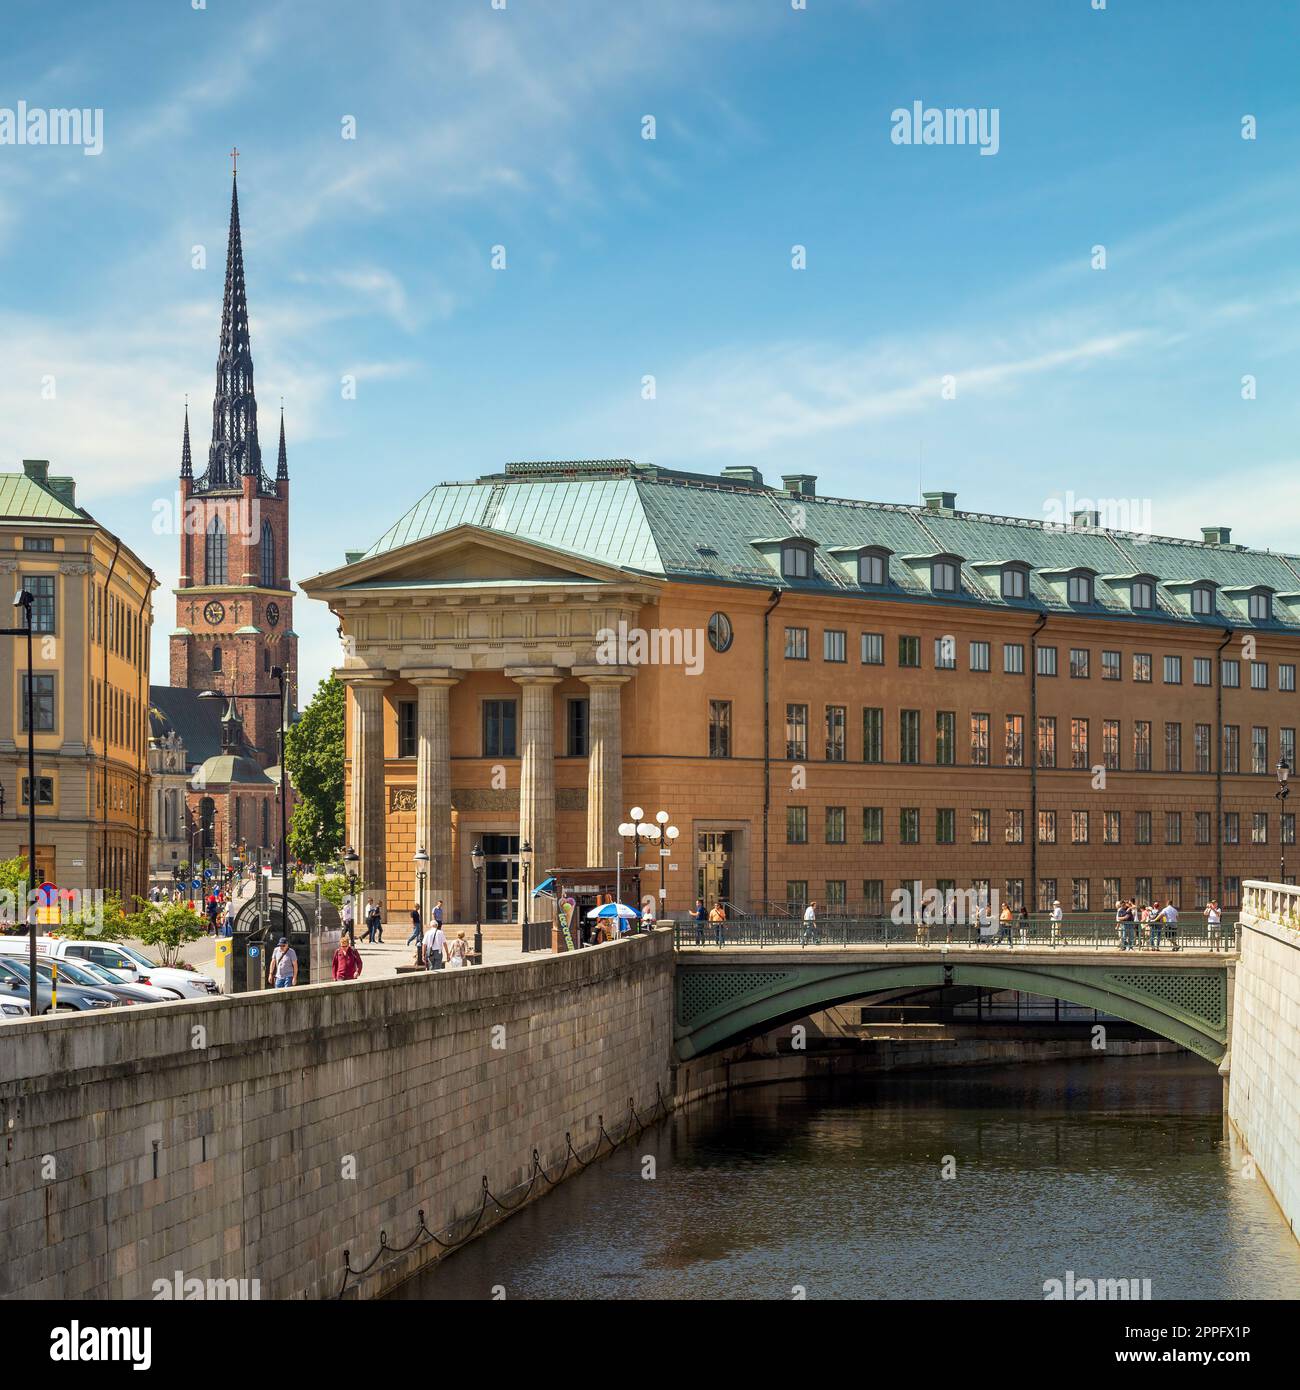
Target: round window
719,632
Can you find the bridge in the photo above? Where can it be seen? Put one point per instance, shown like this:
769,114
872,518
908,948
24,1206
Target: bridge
723,996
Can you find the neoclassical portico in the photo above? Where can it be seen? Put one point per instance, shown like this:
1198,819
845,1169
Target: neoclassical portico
468,651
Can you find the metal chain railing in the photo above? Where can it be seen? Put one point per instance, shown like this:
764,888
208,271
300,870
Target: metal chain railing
635,1126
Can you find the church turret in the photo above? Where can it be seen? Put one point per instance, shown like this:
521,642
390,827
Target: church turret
187,464
282,464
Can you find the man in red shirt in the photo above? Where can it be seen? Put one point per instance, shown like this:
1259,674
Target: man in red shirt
347,960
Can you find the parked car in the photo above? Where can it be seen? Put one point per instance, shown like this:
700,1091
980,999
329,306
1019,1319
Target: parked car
12,1008
127,963
14,984
82,973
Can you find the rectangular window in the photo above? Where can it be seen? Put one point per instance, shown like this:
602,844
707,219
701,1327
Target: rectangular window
1142,666
836,892
719,728
980,819
41,588
1259,675
1110,827
1231,748
45,543
1142,889
796,644
909,825
796,892
1047,827
873,649
1286,746
1109,894
1201,747
42,702
1014,893
1142,745
1173,827
1173,670
979,740
1285,677
873,735
945,654
1173,747
1046,894
909,651
1078,827
873,825
1079,743
1230,673
1288,827
873,896
1110,744
1110,666
945,737
1015,827
1142,827
1259,828
1202,890
1015,732
1258,749
796,732
1046,740
979,656
909,736
1231,891
1202,827
1231,828
1046,661
499,728
945,826
796,825
1079,663
836,725
1201,670
44,791
1013,658
1078,895
407,741
834,645
835,821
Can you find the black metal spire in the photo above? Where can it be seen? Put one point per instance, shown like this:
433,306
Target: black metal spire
187,465
234,450
282,466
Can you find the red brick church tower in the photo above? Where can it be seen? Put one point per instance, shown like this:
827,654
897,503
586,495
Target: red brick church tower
234,602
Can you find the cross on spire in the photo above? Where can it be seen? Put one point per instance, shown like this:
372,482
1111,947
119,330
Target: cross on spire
234,160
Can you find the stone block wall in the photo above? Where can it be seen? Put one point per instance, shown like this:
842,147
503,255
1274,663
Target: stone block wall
260,1136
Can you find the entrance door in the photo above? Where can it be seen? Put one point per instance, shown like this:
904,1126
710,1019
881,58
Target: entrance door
501,878
714,861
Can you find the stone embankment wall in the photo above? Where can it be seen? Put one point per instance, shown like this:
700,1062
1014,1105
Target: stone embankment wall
260,1136
1263,1065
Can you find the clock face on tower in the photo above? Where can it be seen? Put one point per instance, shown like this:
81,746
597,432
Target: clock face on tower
214,612
273,613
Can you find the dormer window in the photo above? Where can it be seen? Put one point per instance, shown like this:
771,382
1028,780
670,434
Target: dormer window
1014,582
943,577
1079,588
1261,607
871,568
1143,595
1202,600
796,560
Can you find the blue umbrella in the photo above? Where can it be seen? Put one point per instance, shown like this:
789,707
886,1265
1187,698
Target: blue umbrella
614,910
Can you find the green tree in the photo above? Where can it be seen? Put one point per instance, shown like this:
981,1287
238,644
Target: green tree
166,927
314,753
106,921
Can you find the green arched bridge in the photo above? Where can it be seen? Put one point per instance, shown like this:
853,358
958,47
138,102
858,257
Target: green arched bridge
724,997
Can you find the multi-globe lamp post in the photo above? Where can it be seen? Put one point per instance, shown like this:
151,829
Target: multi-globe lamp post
657,831
478,859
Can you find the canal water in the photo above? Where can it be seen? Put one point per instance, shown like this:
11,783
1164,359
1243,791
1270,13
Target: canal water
1112,1169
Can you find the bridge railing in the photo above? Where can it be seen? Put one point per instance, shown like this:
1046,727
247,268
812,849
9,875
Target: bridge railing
1275,902
1099,931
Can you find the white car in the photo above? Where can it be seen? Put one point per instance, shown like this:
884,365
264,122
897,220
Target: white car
127,963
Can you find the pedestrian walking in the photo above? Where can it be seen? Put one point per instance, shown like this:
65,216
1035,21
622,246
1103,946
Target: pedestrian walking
347,960
1004,924
348,915
1154,923
1057,918
1171,924
701,916
718,916
374,922
435,948
458,952
417,932
810,930
283,970
1124,916
437,912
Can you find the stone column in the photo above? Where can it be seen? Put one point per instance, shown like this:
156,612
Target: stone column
604,762
366,810
537,766
433,785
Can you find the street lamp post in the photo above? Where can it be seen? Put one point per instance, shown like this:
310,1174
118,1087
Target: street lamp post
478,859
1283,791
637,829
280,693
351,859
23,599
525,866
421,868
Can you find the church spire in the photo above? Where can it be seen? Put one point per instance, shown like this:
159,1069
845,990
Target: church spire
282,466
187,464
234,451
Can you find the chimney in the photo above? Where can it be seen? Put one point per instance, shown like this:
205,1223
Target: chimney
1216,535
742,473
1090,520
350,557
940,501
38,470
65,489
800,484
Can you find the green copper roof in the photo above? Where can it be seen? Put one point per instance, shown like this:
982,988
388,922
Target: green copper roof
696,527
21,498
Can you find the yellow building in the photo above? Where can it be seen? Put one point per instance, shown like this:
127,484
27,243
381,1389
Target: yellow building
92,615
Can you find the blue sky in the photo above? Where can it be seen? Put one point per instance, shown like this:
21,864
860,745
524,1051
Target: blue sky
522,127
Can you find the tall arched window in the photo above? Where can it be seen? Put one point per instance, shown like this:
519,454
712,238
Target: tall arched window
268,556
216,659
214,568
266,823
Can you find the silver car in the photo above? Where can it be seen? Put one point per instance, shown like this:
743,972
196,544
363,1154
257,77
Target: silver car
14,986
